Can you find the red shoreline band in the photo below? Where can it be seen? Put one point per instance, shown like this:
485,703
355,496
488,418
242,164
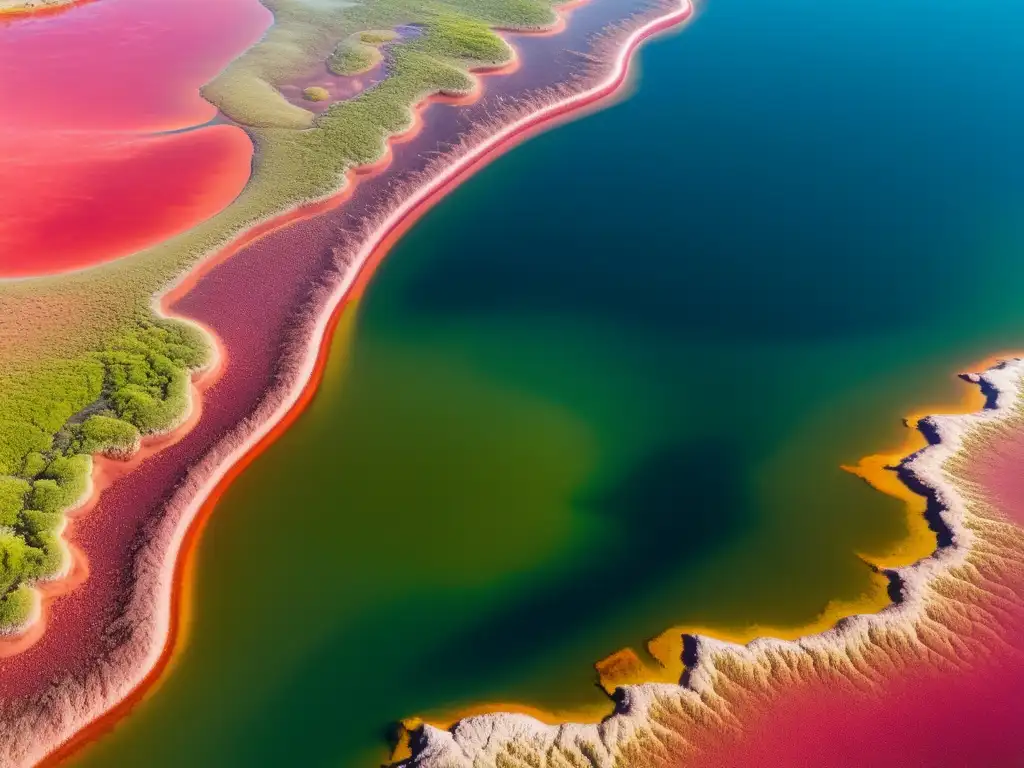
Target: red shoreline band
208,377
408,213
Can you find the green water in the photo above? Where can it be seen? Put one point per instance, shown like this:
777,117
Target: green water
607,385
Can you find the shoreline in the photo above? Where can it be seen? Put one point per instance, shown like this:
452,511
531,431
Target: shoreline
707,654
163,586
221,159
208,376
33,8
106,470
721,683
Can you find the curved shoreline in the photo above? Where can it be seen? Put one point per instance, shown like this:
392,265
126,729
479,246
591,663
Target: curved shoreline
206,377
708,655
24,10
216,162
114,144
105,472
163,586
722,687
676,651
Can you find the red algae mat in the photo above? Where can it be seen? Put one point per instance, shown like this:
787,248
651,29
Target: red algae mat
109,198
920,718
84,176
961,707
1000,473
119,64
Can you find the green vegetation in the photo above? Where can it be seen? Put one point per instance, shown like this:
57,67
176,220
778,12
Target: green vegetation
13,491
106,434
86,368
455,38
138,383
377,36
316,93
304,34
353,58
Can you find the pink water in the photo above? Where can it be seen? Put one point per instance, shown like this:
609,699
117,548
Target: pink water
84,175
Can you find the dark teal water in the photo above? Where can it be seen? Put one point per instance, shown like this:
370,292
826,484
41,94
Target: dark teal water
607,385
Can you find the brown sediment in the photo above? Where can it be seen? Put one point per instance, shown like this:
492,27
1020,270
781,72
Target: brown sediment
24,8
47,313
270,299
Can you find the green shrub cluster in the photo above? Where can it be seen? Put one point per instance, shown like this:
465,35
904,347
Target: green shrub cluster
104,433
316,93
13,491
139,382
459,38
147,375
353,58
35,407
15,606
29,540
353,132
96,384
377,36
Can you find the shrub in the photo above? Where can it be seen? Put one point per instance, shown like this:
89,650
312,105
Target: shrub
105,434
316,93
33,523
35,463
39,530
121,357
459,38
353,58
17,558
19,439
13,491
15,607
63,483
377,36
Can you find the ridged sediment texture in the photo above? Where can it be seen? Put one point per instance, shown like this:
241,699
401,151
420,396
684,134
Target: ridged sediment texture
875,689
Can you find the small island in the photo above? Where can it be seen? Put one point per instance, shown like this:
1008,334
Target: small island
316,93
